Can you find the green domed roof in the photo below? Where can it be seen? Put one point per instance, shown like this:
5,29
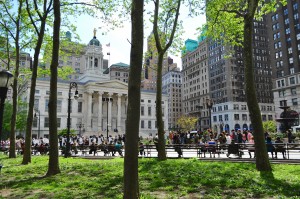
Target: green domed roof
94,42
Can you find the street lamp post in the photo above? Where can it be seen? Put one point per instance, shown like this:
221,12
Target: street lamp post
80,125
107,99
37,111
68,147
5,82
199,107
209,104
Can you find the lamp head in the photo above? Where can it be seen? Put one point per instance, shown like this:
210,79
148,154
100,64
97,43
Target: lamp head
76,96
5,78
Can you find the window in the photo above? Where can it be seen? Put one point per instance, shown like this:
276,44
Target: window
225,107
293,91
281,93
142,124
149,111
37,91
287,31
46,105
46,124
286,21
36,104
79,107
264,118
226,117
243,107
296,16
294,102
290,51
34,122
291,60
220,118
59,105
285,11
295,6
235,107
236,117
149,124
215,118
292,80
142,110
244,116
270,117
58,122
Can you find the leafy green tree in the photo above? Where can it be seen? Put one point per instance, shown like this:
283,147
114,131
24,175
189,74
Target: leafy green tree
131,183
21,117
12,23
187,123
64,132
270,126
38,17
231,22
163,43
165,26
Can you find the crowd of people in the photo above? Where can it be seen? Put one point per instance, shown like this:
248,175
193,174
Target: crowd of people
114,144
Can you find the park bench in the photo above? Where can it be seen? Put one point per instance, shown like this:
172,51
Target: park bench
235,150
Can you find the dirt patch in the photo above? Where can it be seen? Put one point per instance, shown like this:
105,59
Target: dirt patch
6,192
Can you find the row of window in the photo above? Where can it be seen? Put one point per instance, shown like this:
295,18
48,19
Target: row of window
237,117
281,83
58,106
149,124
242,107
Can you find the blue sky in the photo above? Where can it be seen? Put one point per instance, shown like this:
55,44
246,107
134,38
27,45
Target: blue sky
119,38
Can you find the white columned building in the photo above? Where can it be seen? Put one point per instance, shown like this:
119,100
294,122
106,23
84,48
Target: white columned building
102,103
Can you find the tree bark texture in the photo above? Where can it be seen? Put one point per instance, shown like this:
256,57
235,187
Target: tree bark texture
12,146
262,159
53,165
37,49
161,145
131,183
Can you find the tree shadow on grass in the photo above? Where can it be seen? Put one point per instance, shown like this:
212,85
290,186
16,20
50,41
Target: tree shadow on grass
285,188
21,182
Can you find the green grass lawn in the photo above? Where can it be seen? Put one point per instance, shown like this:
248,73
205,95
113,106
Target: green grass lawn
174,178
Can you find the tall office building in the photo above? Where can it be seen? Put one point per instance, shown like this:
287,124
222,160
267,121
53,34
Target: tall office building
172,85
284,44
227,82
195,85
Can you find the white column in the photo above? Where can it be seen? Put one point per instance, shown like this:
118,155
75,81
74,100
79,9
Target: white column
119,112
89,111
100,111
109,96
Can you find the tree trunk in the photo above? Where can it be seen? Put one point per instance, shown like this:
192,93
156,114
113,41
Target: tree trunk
262,159
12,146
27,152
160,125
53,166
131,183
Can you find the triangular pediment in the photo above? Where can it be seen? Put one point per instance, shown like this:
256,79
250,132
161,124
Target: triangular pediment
114,84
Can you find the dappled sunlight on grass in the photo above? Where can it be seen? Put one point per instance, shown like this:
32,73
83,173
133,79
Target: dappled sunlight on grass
176,178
